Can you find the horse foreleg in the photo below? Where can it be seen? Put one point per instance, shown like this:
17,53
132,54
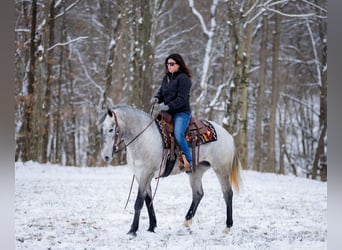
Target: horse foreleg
139,202
150,210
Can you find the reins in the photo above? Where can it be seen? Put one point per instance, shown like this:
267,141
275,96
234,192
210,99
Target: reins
158,178
130,191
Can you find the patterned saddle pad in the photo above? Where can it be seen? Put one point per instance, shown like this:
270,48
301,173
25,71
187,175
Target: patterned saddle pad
198,131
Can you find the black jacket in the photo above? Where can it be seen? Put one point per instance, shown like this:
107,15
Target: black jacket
175,92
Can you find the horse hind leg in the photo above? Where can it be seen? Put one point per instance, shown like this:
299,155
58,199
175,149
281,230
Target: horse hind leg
226,183
228,198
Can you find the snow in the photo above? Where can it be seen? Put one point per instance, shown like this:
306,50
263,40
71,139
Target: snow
61,207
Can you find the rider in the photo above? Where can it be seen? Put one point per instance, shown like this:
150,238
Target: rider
173,97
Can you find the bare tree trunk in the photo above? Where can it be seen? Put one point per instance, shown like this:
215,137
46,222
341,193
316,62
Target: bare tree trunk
139,51
109,74
284,117
38,111
57,115
22,59
271,164
122,65
282,143
258,152
321,71
26,129
237,108
144,47
113,36
50,80
319,151
209,33
323,108
70,134
323,168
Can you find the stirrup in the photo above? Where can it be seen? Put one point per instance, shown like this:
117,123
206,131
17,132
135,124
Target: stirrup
185,169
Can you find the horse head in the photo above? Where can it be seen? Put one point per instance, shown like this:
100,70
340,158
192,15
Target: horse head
110,133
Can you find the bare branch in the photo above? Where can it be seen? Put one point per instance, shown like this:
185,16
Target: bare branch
199,16
68,42
67,9
319,77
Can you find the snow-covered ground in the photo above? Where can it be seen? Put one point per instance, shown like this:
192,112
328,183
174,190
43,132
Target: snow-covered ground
59,207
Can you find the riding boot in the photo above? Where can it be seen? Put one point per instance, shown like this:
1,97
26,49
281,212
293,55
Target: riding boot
186,167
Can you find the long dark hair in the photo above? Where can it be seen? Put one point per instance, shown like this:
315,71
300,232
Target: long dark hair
179,60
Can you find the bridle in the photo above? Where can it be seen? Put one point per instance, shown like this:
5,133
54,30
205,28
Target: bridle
116,134
116,144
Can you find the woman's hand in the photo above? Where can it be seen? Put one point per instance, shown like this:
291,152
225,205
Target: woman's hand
154,100
162,107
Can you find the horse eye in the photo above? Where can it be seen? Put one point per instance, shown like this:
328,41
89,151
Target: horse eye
111,130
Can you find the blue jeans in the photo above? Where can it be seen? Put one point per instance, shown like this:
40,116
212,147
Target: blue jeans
181,122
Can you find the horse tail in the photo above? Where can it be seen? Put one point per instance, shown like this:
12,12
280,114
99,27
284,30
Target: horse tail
234,175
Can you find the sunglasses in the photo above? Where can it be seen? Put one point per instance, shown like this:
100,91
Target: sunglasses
171,64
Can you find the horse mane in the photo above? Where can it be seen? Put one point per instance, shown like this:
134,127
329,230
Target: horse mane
101,118
124,107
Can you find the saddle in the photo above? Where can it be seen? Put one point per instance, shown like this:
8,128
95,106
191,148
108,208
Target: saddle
198,132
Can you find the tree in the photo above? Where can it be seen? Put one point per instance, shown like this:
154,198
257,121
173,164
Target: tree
271,161
49,34
209,33
259,153
145,18
321,69
26,129
237,107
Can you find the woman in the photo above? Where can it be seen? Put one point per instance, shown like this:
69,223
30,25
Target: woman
173,97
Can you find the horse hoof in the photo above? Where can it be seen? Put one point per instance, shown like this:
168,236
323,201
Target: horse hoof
187,223
151,230
132,234
226,230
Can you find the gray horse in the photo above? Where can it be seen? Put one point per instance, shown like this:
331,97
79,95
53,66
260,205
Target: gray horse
145,152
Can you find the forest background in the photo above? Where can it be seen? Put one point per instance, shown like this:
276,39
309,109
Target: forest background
259,68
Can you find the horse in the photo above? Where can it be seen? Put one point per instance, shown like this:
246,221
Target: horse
145,151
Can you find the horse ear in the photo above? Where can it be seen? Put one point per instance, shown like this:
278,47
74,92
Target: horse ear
109,112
